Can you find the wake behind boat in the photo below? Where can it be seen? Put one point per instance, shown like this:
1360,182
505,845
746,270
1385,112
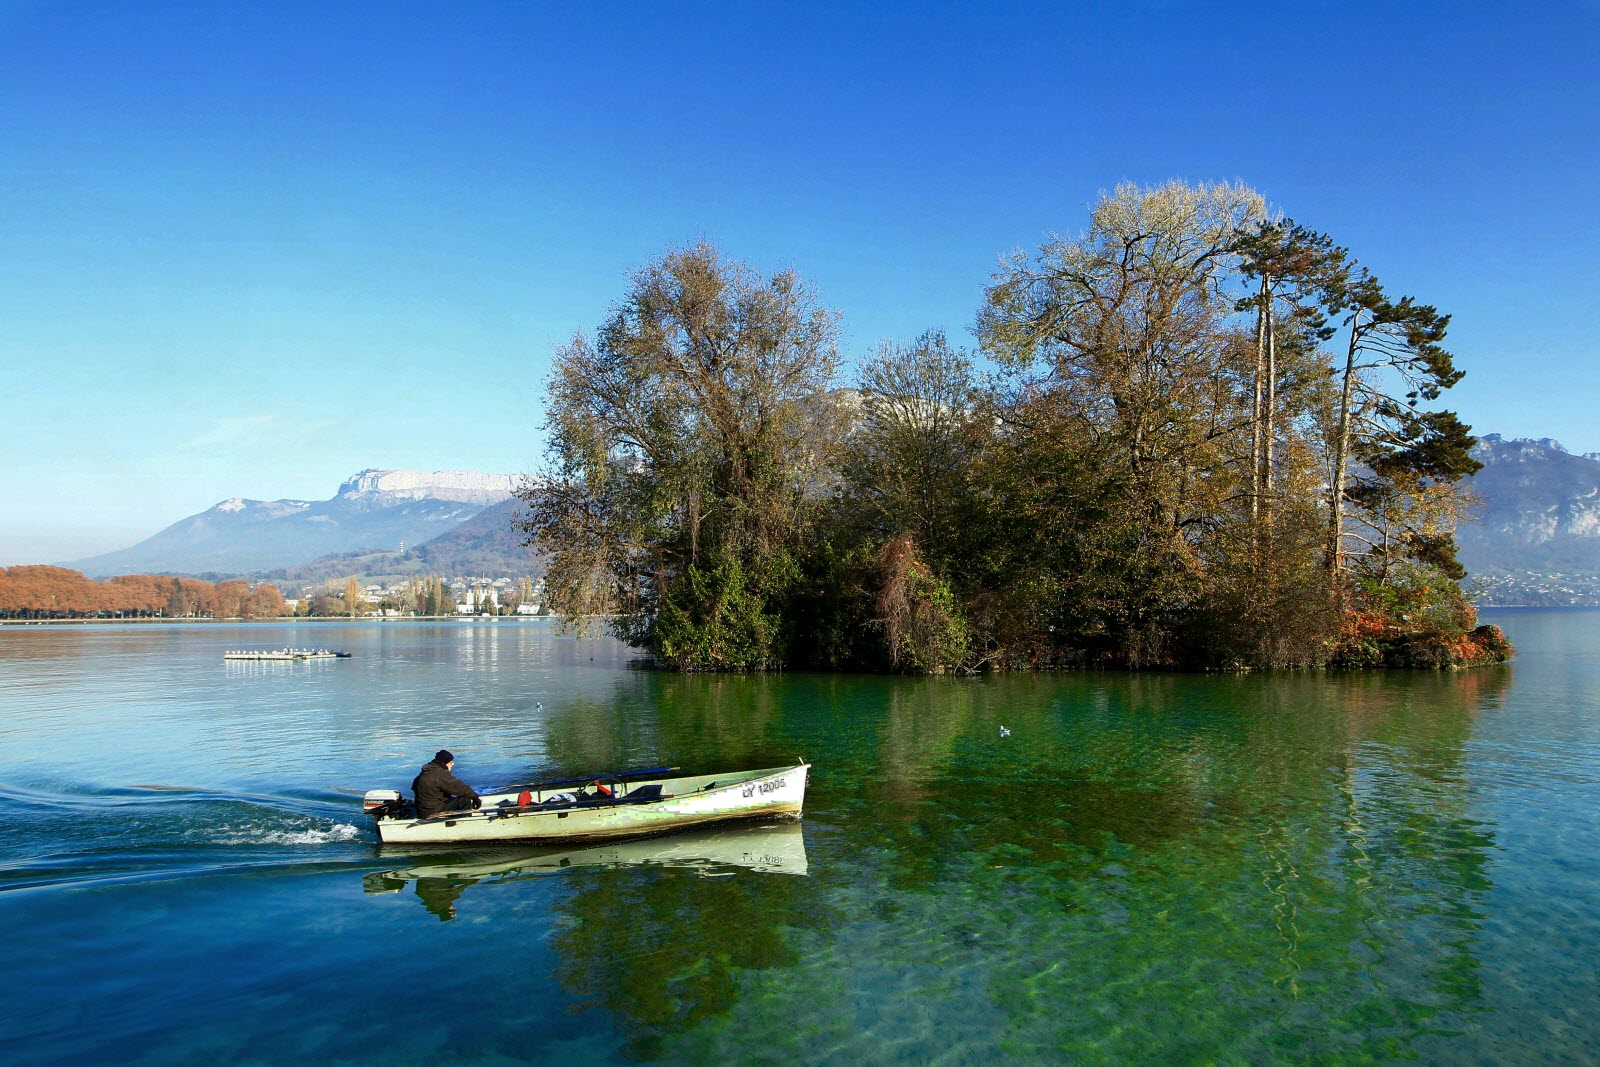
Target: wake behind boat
608,806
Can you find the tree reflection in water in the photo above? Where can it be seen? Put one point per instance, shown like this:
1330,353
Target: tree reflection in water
1150,867
664,952
1149,864
652,930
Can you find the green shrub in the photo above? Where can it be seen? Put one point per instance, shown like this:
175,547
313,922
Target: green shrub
726,617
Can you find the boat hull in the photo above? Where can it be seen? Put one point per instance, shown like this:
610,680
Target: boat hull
771,847
696,801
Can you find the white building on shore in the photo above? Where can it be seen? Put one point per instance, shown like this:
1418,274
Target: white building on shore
478,598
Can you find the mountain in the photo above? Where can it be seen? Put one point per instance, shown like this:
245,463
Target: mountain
485,544
470,487
1536,539
373,510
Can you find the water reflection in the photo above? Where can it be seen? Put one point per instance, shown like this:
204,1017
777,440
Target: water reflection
662,954
711,852
1226,866
659,930
1313,867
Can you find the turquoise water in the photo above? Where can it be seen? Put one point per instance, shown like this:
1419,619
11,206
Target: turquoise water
1162,868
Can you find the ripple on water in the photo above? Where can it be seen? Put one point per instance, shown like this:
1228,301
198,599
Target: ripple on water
1312,868
65,838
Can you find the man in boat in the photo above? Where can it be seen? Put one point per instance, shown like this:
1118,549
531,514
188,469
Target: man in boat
438,790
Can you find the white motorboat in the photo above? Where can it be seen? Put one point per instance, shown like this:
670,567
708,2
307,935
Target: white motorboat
606,806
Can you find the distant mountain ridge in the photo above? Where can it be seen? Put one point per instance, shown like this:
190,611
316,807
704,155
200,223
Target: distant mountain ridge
471,487
375,509
485,544
1536,538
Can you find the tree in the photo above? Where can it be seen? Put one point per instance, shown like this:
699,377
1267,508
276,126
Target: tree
924,627
1164,471
905,465
1295,269
1119,341
231,598
354,602
1382,441
323,605
686,441
55,592
264,602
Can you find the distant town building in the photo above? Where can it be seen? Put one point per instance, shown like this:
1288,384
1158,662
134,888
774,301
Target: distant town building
478,598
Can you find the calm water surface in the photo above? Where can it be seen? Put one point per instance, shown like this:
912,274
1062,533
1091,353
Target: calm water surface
1157,868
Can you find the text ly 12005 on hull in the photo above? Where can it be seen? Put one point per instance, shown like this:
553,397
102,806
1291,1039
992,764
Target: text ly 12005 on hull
634,806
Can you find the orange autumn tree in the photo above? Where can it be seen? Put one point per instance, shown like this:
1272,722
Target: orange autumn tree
45,592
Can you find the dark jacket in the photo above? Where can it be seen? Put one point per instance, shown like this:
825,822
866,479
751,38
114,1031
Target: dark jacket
434,788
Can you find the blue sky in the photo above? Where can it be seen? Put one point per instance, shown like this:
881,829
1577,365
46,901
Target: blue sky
250,250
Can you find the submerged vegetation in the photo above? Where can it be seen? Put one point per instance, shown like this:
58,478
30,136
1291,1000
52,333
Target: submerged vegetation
1206,437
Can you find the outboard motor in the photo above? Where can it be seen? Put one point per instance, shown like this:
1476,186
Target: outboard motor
379,803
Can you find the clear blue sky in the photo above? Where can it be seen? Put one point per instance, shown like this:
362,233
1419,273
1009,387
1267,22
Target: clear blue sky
249,250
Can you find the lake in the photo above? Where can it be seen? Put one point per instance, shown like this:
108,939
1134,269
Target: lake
1158,868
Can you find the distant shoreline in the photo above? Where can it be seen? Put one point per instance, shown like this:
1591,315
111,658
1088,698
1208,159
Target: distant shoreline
323,620
1539,607
316,619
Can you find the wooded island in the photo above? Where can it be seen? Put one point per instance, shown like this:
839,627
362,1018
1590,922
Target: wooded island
1207,437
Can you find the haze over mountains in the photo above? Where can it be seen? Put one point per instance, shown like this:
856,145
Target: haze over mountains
1537,535
374,510
486,544
1536,539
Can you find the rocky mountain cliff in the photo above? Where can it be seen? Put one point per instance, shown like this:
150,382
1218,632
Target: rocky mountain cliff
373,510
468,487
1536,538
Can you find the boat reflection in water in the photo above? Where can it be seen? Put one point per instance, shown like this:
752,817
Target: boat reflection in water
714,852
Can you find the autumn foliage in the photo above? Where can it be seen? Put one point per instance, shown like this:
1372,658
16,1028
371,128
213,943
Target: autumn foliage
40,592
1209,438
1415,622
